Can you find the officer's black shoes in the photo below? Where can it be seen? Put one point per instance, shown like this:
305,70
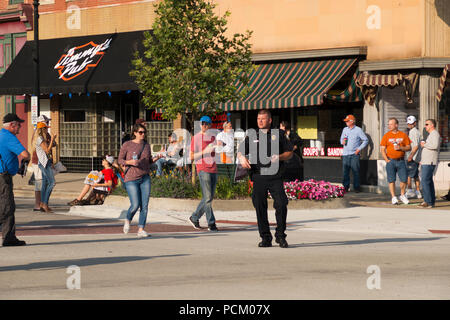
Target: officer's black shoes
14,243
282,242
265,243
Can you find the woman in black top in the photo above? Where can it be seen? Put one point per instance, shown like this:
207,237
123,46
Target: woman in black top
294,166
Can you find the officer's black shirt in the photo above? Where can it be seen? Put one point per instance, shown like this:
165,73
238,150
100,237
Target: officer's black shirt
250,148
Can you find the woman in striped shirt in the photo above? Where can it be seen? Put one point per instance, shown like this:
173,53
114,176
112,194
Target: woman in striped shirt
45,163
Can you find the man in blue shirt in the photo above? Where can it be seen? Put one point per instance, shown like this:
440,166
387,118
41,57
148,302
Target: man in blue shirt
354,140
10,148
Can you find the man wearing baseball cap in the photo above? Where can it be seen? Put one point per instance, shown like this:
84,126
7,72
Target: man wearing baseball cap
203,153
393,146
354,140
10,149
413,158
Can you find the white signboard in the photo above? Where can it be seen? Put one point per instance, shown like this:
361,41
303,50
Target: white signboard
34,110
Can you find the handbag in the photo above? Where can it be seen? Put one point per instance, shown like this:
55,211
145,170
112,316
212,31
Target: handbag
59,167
240,173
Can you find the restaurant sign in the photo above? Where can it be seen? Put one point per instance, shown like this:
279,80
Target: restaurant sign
78,60
320,152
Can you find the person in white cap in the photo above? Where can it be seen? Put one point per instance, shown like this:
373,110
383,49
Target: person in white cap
108,181
413,158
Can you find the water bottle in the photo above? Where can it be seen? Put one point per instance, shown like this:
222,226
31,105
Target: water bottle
134,157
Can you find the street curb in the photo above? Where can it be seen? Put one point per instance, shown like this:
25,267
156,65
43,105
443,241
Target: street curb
171,204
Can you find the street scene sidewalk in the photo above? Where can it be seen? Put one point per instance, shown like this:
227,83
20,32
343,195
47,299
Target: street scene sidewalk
355,212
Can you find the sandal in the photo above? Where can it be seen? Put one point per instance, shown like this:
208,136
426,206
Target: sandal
46,209
75,202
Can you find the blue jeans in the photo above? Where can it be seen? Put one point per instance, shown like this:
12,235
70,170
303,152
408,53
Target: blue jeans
395,167
428,192
48,182
139,194
160,164
208,183
350,162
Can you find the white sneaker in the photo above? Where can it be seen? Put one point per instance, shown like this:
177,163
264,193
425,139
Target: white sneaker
404,199
394,200
142,234
418,194
126,226
410,193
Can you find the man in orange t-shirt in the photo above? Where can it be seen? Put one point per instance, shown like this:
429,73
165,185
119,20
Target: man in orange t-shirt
393,146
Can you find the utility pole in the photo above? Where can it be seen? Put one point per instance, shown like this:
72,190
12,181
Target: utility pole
37,87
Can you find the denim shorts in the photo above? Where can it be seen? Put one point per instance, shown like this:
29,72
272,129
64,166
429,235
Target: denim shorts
395,167
412,169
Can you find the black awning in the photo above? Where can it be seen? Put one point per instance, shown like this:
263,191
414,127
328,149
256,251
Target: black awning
76,65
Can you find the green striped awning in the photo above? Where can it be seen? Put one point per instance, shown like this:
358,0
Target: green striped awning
352,94
289,85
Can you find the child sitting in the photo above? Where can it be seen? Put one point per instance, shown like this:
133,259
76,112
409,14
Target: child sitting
102,183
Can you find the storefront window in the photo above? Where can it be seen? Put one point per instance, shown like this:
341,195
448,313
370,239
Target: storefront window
74,116
444,124
158,128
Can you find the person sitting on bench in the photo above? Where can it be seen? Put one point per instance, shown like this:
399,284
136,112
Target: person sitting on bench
171,157
102,183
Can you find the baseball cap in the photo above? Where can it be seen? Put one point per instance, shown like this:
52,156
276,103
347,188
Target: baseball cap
11,117
41,125
205,119
350,117
411,120
43,118
110,159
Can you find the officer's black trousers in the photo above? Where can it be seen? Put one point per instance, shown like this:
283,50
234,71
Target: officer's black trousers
261,185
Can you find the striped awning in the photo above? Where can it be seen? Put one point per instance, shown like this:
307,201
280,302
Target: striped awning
444,82
289,85
352,94
369,84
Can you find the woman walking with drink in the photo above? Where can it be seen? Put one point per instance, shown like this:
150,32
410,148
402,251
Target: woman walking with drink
135,155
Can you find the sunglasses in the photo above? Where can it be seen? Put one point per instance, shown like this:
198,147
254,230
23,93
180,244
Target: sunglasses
141,132
427,124
205,123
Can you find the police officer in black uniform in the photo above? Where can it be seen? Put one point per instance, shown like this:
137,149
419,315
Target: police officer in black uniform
263,153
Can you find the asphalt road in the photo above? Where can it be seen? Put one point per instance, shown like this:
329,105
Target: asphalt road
178,262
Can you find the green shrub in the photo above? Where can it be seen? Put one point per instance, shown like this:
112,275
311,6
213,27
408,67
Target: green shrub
176,185
169,186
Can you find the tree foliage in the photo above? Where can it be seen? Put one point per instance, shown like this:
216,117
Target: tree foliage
189,64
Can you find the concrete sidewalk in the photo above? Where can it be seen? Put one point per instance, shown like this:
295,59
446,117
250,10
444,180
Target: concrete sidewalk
69,185
360,212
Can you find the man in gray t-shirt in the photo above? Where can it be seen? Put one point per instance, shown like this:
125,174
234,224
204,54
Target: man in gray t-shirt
413,158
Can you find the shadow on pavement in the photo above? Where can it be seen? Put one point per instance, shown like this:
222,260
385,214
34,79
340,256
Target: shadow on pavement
49,265
361,242
301,223
62,223
153,236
